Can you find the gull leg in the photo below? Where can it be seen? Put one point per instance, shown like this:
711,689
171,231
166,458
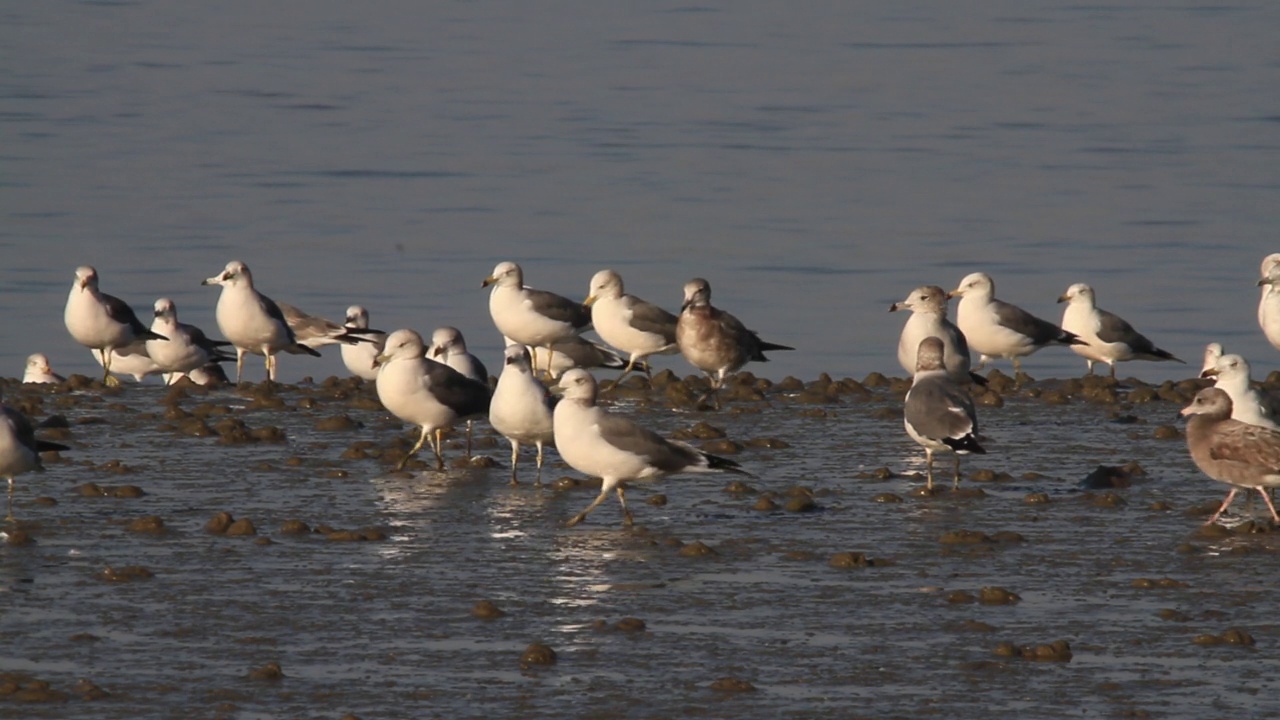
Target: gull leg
439,448
107,378
1090,364
594,504
956,484
1017,365
631,363
1270,506
537,481
1230,496
239,364
9,517
626,513
1113,370
469,440
515,458
928,469
412,451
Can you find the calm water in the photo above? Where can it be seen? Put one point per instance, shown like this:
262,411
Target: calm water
815,163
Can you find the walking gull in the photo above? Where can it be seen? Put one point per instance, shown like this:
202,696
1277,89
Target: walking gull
424,392
531,317
100,321
1108,337
635,327
1230,374
521,408
616,449
187,348
251,320
714,341
996,329
928,306
315,332
449,347
1229,451
19,448
358,357
938,414
1269,305
38,370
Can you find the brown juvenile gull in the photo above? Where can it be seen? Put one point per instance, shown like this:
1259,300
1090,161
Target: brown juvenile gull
252,321
615,449
1229,451
714,341
634,326
1109,338
521,408
424,392
102,322
531,317
1269,304
928,306
938,413
996,329
19,448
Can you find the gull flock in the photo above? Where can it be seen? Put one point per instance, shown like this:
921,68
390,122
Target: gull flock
544,395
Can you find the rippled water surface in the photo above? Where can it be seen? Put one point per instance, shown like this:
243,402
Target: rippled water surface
815,163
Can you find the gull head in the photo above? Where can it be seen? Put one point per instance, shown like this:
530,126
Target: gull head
1212,353
1227,369
975,284
1078,294
1210,402
447,340
165,308
928,298
86,278
505,274
604,284
517,356
38,362
1270,270
234,273
697,293
578,384
357,317
401,345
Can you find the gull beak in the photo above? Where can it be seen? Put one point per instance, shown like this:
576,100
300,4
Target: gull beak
1063,298
84,283
895,307
215,280
379,360
437,351
1266,281
1211,372
488,281
955,293
588,302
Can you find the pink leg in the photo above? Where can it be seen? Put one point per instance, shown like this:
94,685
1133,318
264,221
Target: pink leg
1267,496
1230,496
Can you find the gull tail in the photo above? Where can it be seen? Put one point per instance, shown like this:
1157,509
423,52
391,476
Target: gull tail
773,346
715,462
1069,338
47,446
965,444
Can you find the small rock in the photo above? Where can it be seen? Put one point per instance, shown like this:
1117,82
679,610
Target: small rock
537,654
271,672
730,684
486,610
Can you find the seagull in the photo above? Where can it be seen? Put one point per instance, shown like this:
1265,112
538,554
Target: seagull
576,351
449,347
1212,352
187,347
997,329
615,449
928,306
1231,375
1230,451
528,316
315,332
1110,339
207,375
132,360
628,323
1269,305
102,322
38,370
424,392
714,341
19,448
938,413
521,408
251,320
358,357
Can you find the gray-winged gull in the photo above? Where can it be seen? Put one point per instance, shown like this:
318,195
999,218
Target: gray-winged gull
928,306
1212,353
714,341
1269,304
634,326
576,351
1229,451
521,408
1230,374
531,317
252,321
424,392
449,347
187,348
132,360
938,413
37,370
100,321
19,448
996,329
358,357
1109,338
315,332
615,449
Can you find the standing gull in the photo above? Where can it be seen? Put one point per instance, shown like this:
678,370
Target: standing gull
38,370
628,323
315,332
616,449
252,321
521,408
100,321
1230,374
449,347
358,357
1110,339
132,360
576,351
938,413
424,392
19,448
997,329
1269,305
187,348
1229,451
714,341
928,306
528,316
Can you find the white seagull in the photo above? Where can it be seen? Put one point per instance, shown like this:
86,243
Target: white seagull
996,329
358,357
315,332
19,448
521,409
38,370
187,348
132,361
1231,375
634,326
1109,338
576,351
252,321
528,316
928,306
100,321
615,449
938,414
1269,304
449,347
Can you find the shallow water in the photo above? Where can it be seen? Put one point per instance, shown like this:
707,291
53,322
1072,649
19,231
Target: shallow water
383,628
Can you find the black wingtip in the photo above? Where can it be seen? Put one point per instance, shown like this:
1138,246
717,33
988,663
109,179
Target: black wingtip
773,346
1070,338
47,446
148,335
977,379
715,462
968,443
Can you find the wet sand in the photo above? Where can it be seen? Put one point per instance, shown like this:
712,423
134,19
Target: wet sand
825,585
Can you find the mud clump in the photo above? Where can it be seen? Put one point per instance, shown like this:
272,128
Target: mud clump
1166,432
537,654
18,538
486,610
1233,636
887,498
219,523
732,684
295,527
337,423
697,548
271,672
1107,477
89,691
125,573
1162,583
361,535
1057,651
153,524
242,527
994,595
630,625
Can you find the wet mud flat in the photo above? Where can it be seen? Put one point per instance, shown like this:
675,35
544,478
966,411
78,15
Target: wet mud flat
245,552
